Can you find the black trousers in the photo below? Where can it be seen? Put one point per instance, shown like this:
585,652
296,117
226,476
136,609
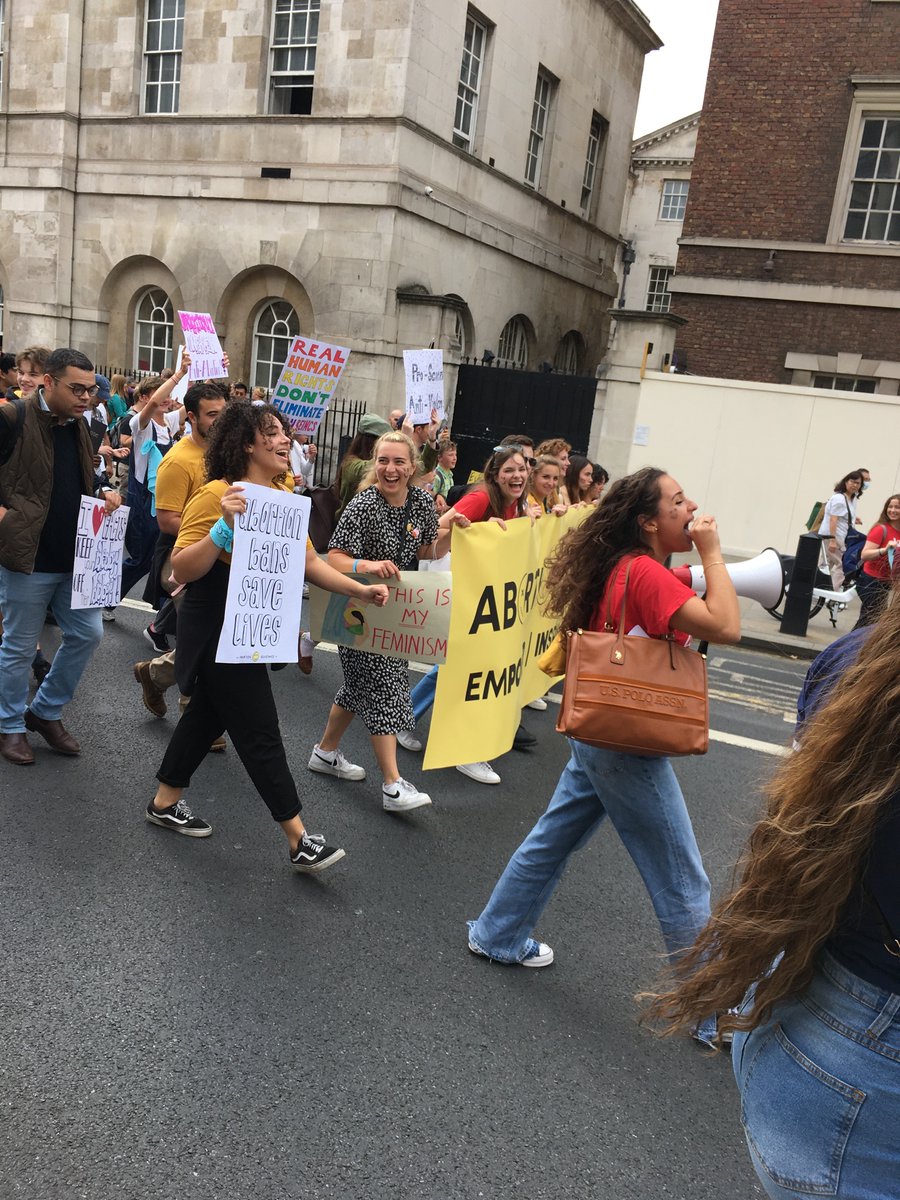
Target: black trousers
873,594
233,698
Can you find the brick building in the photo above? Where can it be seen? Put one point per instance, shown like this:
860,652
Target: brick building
789,265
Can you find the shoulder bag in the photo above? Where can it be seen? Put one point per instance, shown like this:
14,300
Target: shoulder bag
854,542
637,695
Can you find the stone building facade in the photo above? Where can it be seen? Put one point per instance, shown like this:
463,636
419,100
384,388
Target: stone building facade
382,173
653,215
789,265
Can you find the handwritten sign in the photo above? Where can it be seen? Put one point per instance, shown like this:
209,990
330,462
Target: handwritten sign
262,612
415,622
424,384
99,547
307,380
203,345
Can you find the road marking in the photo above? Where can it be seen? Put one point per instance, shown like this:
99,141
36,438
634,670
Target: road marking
141,604
745,743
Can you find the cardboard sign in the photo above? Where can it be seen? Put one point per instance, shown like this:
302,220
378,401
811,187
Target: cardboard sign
262,612
424,371
307,381
414,624
204,346
99,548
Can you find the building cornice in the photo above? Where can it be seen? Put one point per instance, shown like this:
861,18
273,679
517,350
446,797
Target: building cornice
666,131
636,23
799,293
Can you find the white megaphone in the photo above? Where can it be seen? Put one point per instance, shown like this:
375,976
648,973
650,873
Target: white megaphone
760,578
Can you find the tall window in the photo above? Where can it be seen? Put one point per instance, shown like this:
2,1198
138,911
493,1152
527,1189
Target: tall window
674,199
845,383
153,330
659,298
540,110
513,348
162,55
593,159
874,211
276,327
469,86
294,36
2,306
2,19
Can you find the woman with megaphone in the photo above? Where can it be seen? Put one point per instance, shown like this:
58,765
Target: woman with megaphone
644,518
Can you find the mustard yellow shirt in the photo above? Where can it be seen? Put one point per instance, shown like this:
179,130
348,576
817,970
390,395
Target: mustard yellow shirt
205,508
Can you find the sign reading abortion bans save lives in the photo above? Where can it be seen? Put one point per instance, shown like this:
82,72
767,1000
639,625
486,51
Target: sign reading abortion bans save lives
203,346
99,543
307,380
268,562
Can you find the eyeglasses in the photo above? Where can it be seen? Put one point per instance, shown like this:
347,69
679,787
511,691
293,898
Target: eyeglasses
514,449
78,390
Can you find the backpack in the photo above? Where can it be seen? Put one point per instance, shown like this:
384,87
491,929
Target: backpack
853,546
6,454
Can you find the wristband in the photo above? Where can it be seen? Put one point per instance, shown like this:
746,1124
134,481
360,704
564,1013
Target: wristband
720,562
222,536
356,563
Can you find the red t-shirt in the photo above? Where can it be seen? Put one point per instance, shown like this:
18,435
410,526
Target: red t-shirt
880,568
654,596
476,505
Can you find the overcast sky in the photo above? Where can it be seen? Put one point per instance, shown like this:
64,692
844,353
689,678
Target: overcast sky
674,77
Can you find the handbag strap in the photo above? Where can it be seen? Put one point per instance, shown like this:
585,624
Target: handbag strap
617,652
891,941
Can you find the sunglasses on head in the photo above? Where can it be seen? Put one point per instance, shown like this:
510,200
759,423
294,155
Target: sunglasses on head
516,449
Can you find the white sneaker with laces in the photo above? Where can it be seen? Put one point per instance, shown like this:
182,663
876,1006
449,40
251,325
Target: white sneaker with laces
401,796
332,762
539,705
481,772
307,646
409,741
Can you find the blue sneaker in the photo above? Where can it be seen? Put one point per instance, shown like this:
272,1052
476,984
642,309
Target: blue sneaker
537,954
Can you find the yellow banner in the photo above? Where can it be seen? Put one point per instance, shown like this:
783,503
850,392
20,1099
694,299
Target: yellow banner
497,632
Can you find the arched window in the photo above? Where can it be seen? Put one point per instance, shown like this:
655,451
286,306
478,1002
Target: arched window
567,355
153,325
513,348
2,306
276,326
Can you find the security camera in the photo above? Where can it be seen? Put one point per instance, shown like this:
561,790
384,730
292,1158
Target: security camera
429,191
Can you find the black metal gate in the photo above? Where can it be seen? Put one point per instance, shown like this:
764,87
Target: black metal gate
492,402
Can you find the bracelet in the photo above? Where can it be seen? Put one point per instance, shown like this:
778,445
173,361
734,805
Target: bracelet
720,562
356,563
222,535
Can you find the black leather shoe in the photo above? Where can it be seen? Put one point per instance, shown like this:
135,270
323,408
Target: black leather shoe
15,749
523,739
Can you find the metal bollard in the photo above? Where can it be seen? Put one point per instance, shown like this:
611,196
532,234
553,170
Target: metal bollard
799,597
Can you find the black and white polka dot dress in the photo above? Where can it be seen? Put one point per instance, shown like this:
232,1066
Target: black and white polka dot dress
376,688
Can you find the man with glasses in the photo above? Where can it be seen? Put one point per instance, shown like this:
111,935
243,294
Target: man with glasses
47,465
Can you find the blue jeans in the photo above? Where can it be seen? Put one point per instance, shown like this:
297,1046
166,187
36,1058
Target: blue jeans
423,694
820,1090
24,600
642,798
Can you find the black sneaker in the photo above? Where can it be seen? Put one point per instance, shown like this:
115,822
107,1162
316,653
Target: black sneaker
313,855
179,818
158,641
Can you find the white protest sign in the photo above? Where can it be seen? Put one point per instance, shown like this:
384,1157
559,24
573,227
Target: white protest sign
179,391
205,348
99,547
268,562
307,380
424,371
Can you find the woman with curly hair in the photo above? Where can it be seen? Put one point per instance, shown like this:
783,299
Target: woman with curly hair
803,955
645,517
252,443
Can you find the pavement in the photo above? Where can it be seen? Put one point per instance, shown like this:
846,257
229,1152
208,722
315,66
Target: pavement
761,631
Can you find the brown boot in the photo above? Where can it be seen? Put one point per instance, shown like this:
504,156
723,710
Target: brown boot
154,698
15,749
54,733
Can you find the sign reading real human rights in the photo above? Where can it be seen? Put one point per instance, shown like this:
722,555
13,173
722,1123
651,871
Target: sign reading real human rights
307,381
268,562
498,631
424,370
204,347
99,546
414,623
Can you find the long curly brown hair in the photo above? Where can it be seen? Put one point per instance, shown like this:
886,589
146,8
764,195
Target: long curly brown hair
232,435
576,574
805,858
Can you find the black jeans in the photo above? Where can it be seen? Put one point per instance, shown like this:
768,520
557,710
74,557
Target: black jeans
233,698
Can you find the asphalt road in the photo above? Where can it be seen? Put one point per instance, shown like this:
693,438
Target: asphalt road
189,1019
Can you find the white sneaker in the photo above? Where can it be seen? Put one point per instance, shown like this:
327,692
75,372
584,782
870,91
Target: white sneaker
409,741
306,591
481,772
401,796
307,646
539,705
332,762
109,614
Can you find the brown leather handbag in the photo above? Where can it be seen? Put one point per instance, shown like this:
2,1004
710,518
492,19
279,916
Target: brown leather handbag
637,695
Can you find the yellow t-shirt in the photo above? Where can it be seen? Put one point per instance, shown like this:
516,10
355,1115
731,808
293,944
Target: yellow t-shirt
205,508
179,475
